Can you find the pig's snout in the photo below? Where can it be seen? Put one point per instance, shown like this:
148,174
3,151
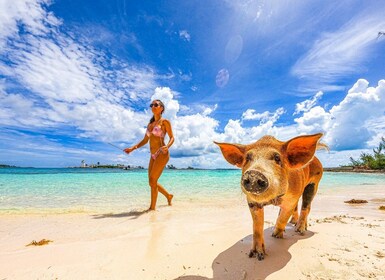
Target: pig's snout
254,181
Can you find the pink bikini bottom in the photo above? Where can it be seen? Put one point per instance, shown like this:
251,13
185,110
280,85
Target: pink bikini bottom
154,156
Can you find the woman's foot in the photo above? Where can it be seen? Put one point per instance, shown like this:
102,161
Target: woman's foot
169,198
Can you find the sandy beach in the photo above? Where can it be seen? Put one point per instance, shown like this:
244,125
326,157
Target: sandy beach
206,241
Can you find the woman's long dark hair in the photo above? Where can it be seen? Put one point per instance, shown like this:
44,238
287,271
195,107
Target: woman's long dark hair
162,105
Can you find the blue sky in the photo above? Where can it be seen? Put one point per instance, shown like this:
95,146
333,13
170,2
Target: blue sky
75,75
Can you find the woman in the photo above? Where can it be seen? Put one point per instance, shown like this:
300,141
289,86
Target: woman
156,131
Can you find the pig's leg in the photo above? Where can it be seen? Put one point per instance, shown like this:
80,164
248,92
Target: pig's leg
294,216
284,214
307,198
258,248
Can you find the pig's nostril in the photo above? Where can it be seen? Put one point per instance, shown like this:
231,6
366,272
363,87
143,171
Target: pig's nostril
246,182
262,183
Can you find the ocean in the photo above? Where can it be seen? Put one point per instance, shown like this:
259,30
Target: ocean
70,190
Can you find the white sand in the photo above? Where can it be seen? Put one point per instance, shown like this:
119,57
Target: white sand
193,241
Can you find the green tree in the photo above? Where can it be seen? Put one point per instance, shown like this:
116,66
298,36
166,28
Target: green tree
375,161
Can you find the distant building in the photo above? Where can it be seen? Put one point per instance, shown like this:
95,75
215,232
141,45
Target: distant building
83,164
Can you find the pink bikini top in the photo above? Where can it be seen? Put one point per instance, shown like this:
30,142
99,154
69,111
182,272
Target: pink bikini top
156,131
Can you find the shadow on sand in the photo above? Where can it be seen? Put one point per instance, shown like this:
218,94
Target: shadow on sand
132,214
235,264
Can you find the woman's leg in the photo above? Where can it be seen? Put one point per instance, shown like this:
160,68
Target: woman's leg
156,170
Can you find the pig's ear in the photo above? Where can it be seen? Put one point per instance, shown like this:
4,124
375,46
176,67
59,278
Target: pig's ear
233,153
300,150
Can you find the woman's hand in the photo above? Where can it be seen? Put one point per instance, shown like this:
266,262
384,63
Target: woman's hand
129,150
164,149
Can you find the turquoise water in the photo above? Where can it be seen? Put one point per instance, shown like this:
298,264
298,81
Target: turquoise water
36,190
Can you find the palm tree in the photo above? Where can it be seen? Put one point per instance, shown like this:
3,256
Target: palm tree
375,161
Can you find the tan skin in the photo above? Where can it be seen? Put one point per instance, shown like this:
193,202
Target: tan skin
156,166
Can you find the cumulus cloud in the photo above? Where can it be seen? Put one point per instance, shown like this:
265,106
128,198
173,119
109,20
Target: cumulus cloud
208,110
193,132
234,131
166,95
250,114
314,121
351,117
306,105
350,124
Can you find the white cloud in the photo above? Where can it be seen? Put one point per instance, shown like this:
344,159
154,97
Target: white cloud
167,97
15,109
193,108
352,123
339,53
351,117
30,13
306,105
194,135
250,114
53,71
208,111
234,132
131,83
64,83
314,121
185,35
193,132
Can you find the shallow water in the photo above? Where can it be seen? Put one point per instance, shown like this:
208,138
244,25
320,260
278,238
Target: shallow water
56,190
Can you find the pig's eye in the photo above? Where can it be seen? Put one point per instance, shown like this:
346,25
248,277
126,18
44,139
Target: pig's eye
277,158
249,157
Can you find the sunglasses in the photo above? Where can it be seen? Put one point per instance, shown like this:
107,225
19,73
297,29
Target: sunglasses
154,105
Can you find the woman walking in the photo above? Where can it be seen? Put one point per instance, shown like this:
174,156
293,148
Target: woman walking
156,131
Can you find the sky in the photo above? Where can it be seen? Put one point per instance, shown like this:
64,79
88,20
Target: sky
77,75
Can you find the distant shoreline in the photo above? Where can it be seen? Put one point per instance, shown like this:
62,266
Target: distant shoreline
326,169
352,170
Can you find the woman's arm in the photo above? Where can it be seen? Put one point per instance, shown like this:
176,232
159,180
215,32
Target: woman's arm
168,127
137,146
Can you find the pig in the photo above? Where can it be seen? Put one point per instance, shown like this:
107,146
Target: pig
277,173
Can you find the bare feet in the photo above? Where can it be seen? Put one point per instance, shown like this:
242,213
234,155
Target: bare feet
169,199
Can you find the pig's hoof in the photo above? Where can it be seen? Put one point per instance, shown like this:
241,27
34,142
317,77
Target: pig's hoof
255,254
278,233
301,228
